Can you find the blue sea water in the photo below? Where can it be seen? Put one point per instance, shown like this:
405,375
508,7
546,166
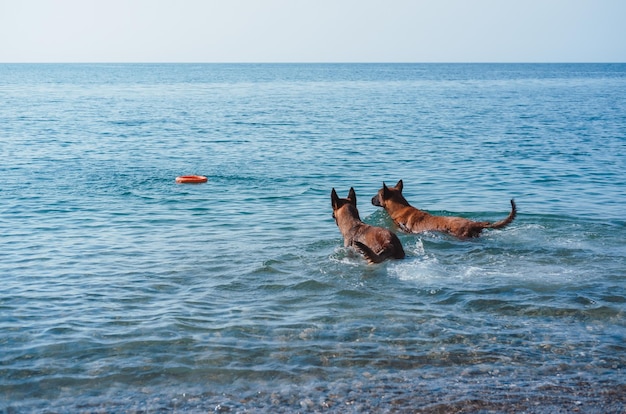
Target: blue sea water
122,291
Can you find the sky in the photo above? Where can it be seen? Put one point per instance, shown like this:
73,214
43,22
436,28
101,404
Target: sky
312,31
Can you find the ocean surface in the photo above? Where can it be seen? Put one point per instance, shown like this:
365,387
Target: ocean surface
123,291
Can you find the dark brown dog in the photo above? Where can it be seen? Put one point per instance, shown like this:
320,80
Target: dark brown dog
411,220
375,243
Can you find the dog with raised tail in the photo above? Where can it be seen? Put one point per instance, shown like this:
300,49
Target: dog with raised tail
412,220
375,243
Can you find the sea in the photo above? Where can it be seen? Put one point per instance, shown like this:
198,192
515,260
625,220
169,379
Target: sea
122,291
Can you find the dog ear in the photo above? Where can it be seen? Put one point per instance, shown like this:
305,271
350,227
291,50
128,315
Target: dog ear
334,199
386,193
352,196
400,185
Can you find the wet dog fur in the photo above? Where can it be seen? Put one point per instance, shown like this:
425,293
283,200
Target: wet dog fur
375,243
412,220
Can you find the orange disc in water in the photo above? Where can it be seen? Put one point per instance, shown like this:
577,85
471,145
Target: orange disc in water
191,179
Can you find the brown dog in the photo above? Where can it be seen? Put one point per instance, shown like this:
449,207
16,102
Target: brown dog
375,243
411,220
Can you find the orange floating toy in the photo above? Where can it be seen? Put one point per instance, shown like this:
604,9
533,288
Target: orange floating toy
191,179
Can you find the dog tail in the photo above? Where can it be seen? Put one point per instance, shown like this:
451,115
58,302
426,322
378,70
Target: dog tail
369,254
503,223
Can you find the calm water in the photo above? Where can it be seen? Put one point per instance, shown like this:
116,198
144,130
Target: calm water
123,291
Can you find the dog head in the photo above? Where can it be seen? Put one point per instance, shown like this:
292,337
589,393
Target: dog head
387,194
344,206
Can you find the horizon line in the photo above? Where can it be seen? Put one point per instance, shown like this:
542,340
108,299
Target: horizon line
312,62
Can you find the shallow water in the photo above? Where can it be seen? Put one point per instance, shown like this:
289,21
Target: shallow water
124,291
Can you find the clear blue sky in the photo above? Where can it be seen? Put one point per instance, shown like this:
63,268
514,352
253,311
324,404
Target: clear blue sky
312,30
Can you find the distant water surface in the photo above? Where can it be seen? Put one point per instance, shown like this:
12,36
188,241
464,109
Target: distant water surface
123,291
